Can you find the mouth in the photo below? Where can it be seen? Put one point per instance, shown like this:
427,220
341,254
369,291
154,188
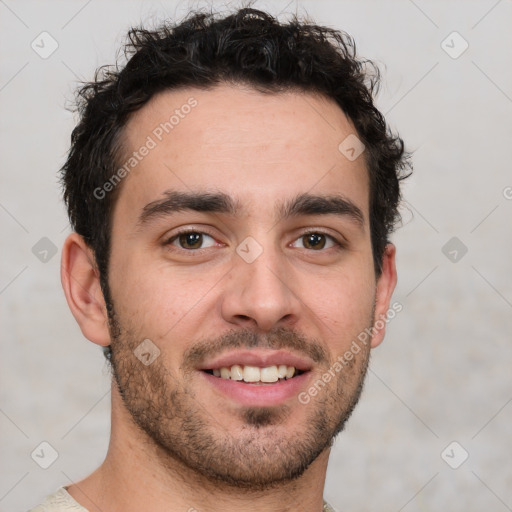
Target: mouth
258,378
256,375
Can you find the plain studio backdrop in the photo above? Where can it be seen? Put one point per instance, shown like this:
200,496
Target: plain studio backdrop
433,430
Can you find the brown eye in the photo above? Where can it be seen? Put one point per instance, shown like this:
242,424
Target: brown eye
314,241
192,240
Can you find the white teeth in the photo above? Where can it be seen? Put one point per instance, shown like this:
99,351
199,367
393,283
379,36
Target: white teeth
255,374
269,374
282,371
251,374
237,372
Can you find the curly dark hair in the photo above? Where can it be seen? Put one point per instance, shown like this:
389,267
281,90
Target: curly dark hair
246,47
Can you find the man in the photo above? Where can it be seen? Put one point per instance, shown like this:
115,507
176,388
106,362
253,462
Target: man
232,190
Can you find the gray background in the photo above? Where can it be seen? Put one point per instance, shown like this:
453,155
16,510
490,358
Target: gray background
443,373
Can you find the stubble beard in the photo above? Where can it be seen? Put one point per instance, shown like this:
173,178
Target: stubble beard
262,454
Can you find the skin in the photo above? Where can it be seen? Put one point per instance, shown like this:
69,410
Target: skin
260,149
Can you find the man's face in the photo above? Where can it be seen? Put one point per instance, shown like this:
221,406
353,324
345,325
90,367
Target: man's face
268,275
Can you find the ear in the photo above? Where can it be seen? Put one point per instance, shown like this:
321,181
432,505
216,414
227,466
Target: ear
81,283
386,283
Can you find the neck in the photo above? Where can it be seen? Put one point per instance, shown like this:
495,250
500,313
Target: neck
137,475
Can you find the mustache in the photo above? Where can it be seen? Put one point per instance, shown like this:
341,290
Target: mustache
279,338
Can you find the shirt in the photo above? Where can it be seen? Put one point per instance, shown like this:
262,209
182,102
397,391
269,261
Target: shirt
62,501
59,501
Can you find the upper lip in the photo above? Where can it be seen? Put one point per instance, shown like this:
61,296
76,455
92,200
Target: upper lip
258,357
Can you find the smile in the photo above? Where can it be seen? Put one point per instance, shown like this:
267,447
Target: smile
255,374
258,377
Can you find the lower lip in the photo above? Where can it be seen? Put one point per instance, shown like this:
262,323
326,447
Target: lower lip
259,395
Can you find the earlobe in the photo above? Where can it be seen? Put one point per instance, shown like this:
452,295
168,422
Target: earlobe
386,283
81,284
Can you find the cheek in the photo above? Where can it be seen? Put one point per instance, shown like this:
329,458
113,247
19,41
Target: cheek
156,299
344,305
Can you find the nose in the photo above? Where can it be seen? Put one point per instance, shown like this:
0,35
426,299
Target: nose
260,294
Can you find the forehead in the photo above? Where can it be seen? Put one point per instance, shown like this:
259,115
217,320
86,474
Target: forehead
257,147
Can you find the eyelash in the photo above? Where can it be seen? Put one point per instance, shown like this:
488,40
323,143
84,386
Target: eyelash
337,244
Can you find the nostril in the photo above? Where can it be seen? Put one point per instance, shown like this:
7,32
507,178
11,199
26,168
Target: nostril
245,318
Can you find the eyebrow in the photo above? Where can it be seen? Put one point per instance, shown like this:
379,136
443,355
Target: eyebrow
219,202
175,202
308,204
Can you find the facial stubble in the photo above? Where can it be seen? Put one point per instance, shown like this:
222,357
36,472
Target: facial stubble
261,453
